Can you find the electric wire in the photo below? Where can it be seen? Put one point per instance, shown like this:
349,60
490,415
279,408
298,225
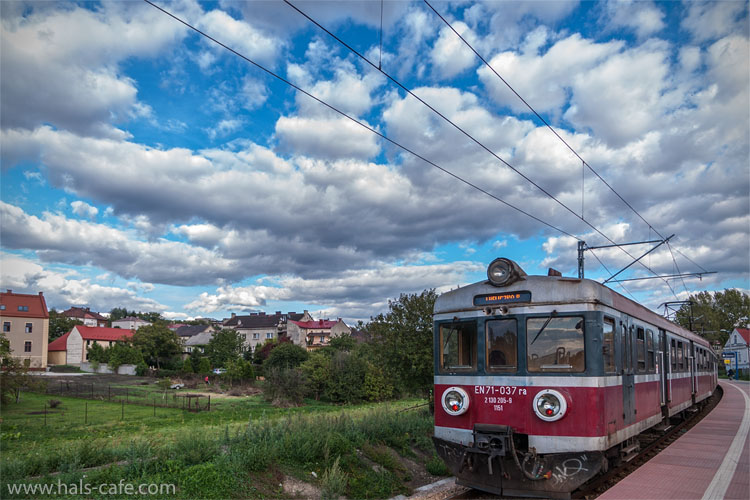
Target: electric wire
610,273
472,138
363,125
584,162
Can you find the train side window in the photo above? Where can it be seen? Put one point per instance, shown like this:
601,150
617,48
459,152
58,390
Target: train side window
650,357
608,345
680,356
502,345
555,344
640,349
458,346
673,355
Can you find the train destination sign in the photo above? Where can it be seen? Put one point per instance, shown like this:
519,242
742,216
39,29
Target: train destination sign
501,298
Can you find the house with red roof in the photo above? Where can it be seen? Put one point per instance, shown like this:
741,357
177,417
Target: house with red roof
257,328
25,323
739,343
86,316
72,348
315,334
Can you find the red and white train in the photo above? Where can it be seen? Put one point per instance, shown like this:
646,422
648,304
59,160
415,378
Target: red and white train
541,382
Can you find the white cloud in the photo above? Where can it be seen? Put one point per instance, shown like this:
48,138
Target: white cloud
643,17
240,36
450,55
713,20
61,289
330,138
83,209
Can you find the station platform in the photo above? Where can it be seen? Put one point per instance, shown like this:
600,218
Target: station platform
710,462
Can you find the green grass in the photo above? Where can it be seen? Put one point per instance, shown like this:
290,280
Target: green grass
240,449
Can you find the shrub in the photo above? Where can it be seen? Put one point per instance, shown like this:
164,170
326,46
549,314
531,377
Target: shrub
141,369
286,355
436,466
187,366
334,481
204,367
285,386
54,403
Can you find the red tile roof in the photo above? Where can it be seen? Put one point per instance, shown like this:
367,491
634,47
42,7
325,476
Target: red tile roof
12,301
81,312
90,333
59,344
745,333
321,323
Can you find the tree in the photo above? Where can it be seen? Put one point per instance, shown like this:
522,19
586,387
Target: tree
117,313
59,325
224,346
14,374
262,352
286,355
158,344
715,314
403,341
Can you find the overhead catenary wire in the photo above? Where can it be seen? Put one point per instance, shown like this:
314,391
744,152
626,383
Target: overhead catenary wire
361,124
583,161
472,138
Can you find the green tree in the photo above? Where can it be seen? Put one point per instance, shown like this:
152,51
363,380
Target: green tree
286,355
223,347
98,354
204,366
117,313
715,314
14,374
123,353
317,371
403,341
59,325
158,345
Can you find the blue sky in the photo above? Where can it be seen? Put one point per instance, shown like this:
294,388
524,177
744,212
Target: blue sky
145,167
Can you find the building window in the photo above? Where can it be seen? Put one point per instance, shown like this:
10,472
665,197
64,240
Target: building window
6,326
256,336
28,328
269,335
27,346
23,308
2,307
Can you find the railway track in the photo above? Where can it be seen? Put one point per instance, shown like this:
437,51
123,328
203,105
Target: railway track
652,442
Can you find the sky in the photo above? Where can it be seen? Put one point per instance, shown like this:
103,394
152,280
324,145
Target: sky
145,166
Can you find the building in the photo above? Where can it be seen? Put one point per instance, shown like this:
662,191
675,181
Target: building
85,316
316,334
72,348
130,323
739,343
25,323
195,337
256,328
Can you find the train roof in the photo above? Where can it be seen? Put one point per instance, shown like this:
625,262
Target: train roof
550,290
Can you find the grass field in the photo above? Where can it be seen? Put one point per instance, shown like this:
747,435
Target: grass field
242,448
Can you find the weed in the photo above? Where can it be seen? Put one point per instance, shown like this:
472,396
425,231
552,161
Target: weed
334,481
437,467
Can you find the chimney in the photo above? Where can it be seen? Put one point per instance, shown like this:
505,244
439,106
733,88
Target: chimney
234,315
41,293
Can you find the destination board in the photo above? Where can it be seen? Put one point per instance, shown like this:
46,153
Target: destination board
501,298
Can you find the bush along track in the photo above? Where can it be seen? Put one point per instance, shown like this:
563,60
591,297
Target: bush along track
357,453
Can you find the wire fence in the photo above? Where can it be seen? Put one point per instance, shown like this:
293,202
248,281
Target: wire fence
131,395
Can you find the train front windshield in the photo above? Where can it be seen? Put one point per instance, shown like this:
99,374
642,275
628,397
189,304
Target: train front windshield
547,344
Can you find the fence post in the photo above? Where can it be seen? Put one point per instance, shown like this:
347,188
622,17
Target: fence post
109,393
122,415
209,402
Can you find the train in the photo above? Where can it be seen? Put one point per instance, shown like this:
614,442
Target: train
543,382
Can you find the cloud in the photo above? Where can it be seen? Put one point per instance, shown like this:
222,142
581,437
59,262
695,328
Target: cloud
644,18
450,55
330,138
61,288
240,36
713,20
83,209
52,73
354,294
74,242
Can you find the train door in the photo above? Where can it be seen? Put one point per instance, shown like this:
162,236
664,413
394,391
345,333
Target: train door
663,368
628,376
693,371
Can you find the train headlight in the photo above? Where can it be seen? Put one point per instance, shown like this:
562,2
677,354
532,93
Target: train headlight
455,401
550,405
503,272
